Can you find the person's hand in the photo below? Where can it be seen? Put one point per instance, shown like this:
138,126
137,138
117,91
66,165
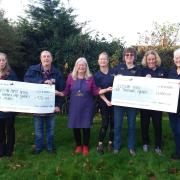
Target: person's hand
108,89
48,82
58,93
108,103
148,75
57,109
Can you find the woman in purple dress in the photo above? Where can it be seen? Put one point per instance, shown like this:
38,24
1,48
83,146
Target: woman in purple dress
81,87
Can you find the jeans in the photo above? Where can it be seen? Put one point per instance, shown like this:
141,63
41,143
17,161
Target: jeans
39,121
156,116
175,126
119,112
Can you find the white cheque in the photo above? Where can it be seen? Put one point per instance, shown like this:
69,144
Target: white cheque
26,97
146,93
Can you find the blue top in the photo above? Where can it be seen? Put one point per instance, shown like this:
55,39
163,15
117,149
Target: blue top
35,74
122,69
174,75
104,81
159,72
9,76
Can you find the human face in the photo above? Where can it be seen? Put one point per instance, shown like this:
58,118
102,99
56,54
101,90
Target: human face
3,62
81,67
177,59
103,60
46,59
151,61
129,58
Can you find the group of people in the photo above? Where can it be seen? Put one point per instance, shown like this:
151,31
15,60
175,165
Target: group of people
82,86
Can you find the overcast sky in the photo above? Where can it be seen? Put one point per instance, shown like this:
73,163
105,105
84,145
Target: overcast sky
119,18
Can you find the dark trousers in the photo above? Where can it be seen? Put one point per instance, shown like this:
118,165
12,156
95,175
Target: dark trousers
107,115
77,136
156,116
7,135
175,126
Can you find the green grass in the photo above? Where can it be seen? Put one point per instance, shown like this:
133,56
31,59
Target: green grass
66,165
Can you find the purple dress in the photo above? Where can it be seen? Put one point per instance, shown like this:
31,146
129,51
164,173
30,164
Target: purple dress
81,101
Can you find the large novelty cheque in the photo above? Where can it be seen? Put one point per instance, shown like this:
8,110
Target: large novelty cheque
26,97
146,93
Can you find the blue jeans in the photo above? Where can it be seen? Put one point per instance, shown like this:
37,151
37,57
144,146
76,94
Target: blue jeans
39,121
175,126
119,112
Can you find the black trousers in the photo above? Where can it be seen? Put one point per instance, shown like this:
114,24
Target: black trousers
107,115
77,136
7,135
156,116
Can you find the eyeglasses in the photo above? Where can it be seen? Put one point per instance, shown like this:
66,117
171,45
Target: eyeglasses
129,54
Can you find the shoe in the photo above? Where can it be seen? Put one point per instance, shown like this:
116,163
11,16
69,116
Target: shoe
78,149
9,154
1,155
51,151
35,152
116,151
110,146
158,150
145,148
100,149
175,156
85,150
132,152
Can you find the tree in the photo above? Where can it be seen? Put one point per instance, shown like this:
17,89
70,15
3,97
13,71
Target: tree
10,42
48,26
165,35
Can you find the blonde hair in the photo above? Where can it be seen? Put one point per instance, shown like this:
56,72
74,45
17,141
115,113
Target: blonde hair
105,54
158,59
7,67
75,69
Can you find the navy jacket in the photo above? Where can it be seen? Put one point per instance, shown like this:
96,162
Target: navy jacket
123,70
174,75
11,76
34,75
159,72
104,81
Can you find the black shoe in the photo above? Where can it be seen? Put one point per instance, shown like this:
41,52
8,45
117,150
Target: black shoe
100,149
9,154
110,146
175,156
52,151
1,155
35,152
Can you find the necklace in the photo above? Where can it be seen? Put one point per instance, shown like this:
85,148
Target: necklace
79,92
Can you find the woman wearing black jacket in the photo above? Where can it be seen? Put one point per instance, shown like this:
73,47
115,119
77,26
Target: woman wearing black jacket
151,63
7,119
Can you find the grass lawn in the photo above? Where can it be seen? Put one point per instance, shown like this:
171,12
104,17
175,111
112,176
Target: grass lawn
66,165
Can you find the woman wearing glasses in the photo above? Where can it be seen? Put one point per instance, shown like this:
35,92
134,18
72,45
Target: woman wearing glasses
127,68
